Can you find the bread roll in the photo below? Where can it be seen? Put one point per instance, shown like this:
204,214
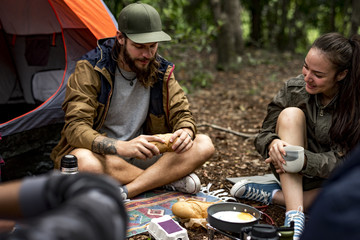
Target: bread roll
167,145
191,208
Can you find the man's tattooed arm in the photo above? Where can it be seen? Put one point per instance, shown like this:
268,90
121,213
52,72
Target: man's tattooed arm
104,145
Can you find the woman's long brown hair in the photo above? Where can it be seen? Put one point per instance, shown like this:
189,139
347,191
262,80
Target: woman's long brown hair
345,55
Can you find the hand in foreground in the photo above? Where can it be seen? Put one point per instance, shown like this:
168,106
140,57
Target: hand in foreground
141,148
276,153
183,143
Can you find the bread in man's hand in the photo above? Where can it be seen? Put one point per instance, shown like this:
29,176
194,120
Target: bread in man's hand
167,145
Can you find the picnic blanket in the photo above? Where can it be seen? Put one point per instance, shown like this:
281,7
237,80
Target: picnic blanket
154,204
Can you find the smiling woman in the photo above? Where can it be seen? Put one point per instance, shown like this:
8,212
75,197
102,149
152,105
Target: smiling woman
309,112
321,76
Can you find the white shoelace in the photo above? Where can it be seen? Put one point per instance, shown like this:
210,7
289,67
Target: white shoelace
257,195
298,217
222,194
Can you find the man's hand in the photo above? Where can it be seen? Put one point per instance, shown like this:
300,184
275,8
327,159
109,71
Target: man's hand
184,141
139,147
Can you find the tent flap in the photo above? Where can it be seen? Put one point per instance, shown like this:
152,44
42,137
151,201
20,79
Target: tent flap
24,17
49,36
95,16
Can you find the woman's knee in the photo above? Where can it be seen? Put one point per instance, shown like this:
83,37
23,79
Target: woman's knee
291,116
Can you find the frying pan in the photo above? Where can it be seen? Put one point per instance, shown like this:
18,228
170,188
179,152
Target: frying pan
231,226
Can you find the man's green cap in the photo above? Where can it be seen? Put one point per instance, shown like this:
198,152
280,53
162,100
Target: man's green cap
142,24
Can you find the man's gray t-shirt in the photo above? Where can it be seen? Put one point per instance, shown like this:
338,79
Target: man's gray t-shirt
128,108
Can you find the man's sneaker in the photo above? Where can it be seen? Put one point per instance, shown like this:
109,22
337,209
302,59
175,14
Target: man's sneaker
298,217
123,193
188,184
261,192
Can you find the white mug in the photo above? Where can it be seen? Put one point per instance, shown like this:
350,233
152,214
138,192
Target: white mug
294,159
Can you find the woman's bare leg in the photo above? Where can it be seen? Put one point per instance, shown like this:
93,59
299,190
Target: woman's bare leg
291,128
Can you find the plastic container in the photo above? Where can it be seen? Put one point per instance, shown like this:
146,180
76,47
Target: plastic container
165,228
286,235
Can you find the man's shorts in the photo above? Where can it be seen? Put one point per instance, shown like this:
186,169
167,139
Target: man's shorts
143,164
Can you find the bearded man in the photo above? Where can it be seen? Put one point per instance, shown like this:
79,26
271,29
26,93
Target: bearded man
119,97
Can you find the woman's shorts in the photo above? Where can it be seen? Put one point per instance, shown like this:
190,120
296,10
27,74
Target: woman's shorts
309,183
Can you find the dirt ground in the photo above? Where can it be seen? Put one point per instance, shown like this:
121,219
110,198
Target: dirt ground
237,102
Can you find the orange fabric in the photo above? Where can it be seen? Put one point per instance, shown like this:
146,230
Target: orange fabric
65,15
94,15
53,43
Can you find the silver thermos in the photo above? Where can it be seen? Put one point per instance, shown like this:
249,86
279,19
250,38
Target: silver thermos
69,164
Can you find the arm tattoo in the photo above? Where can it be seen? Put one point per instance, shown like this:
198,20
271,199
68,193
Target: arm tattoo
104,146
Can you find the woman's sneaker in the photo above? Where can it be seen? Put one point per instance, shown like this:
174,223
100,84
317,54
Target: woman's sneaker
188,184
298,217
261,192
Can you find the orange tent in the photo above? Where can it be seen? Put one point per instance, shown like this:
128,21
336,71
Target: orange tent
45,35
95,17
40,42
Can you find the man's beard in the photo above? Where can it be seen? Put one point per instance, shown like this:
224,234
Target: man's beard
147,76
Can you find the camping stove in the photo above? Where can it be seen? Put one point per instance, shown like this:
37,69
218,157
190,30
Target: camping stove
211,232
282,233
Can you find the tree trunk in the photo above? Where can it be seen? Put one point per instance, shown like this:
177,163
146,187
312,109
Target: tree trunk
256,23
294,32
355,17
332,17
272,20
233,10
229,42
282,38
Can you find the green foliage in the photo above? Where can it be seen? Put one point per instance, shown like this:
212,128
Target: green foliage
294,27
246,21
192,30
192,37
285,25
